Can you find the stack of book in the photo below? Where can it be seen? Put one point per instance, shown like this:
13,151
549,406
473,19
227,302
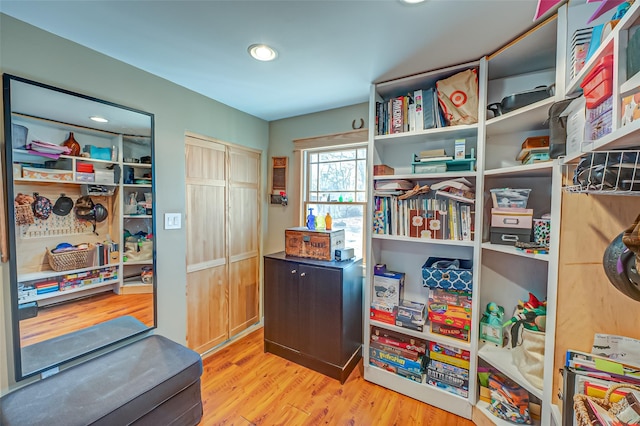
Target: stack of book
409,113
579,49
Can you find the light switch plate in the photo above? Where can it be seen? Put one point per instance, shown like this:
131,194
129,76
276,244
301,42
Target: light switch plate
172,221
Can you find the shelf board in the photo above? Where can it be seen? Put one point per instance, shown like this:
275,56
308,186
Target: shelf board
136,185
484,409
420,391
514,251
527,118
139,165
523,170
426,335
137,216
427,176
630,85
33,276
502,359
422,240
624,137
428,135
70,291
138,262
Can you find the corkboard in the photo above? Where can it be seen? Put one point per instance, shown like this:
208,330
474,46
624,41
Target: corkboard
587,302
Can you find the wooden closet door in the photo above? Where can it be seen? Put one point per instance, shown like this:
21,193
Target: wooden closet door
244,239
206,226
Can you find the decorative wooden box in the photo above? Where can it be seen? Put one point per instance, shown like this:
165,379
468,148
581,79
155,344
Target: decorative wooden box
317,244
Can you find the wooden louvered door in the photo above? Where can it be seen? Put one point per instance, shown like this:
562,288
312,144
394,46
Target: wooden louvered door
223,241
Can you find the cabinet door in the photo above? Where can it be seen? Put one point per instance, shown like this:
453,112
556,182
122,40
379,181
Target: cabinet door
320,319
244,240
281,324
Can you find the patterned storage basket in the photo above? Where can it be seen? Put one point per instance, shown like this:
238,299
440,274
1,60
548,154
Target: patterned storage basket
76,259
448,279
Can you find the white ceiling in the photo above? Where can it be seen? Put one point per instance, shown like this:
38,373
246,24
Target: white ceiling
330,51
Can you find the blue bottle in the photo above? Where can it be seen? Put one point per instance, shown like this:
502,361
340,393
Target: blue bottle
311,220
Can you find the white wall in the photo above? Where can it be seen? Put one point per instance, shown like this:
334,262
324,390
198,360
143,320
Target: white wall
31,53
281,136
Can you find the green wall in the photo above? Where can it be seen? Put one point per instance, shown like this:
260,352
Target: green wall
281,136
31,53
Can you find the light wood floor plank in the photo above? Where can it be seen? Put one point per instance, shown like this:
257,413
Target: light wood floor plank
242,385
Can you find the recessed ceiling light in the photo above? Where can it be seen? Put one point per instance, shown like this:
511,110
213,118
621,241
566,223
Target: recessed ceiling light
262,52
99,119
412,1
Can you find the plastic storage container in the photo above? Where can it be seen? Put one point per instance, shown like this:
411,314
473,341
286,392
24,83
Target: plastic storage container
598,84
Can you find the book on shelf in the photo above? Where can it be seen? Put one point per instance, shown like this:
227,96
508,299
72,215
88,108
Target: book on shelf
397,125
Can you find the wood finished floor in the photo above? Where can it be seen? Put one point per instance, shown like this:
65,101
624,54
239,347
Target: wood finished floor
56,320
242,385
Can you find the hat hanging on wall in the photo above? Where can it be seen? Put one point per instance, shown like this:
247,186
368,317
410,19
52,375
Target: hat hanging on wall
63,205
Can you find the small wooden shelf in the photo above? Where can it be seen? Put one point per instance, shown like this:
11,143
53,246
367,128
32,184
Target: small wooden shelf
435,134
427,176
137,216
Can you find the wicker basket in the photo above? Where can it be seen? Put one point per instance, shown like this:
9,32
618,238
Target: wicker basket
580,403
68,260
24,215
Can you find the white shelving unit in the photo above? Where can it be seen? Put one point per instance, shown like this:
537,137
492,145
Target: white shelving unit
408,254
30,269
500,273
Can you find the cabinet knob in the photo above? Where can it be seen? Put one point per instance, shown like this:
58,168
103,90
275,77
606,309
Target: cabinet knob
303,274
293,271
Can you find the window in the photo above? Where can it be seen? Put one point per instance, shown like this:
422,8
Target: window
336,183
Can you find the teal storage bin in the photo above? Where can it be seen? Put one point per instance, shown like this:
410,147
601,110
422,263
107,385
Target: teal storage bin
97,152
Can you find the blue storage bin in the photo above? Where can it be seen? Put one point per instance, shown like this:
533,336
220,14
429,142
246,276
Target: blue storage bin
97,152
448,278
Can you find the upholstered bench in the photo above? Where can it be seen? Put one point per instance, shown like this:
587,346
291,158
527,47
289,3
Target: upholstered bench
153,381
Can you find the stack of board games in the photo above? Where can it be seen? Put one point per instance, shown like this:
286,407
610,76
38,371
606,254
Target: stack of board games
398,353
448,368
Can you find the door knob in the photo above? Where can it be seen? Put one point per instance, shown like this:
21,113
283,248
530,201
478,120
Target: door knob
303,274
293,271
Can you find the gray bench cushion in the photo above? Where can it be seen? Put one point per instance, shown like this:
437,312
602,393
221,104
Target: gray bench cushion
118,388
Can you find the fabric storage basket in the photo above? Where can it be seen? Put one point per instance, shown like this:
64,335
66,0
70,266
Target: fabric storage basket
528,355
460,278
76,259
24,215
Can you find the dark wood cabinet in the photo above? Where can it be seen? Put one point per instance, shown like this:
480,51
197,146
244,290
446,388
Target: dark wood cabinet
313,312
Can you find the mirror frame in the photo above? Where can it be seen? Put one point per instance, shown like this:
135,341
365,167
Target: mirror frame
7,79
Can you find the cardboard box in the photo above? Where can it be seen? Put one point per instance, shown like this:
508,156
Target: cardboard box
511,217
317,244
410,315
510,236
388,287
382,170
382,316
